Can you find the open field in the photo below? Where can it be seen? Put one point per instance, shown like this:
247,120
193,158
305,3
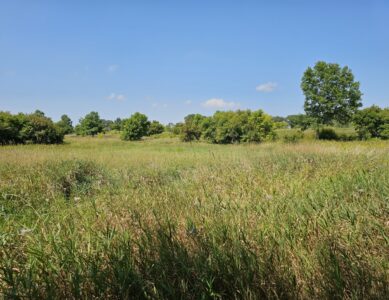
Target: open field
99,217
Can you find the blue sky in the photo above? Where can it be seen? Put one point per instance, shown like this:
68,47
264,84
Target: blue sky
171,58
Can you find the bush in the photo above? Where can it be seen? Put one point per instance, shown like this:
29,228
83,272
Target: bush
384,131
229,127
155,128
293,137
136,127
327,134
91,124
65,125
76,178
192,128
33,128
372,122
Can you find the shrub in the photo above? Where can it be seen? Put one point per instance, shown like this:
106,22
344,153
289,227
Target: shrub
384,131
192,128
65,125
293,137
327,134
239,126
33,128
372,122
136,127
77,177
155,128
91,124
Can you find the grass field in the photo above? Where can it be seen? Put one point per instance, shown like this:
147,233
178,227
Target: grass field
98,217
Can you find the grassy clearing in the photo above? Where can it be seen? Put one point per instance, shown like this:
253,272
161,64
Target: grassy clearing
98,217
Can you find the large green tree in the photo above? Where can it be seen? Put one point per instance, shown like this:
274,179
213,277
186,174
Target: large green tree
331,94
91,124
136,127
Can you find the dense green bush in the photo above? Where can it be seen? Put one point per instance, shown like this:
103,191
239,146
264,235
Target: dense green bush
293,136
136,127
155,128
65,125
91,124
227,127
299,121
372,122
192,128
33,128
327,134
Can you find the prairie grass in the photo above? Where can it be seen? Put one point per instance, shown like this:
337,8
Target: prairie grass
102,218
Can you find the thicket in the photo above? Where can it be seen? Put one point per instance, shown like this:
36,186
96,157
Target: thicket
227,127
33,128
372,122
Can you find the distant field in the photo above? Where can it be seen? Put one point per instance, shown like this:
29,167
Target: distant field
99,217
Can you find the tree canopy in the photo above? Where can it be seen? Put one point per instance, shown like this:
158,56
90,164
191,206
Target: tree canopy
155,128
65,124
135,127
372,122
91,124
28,128
331,94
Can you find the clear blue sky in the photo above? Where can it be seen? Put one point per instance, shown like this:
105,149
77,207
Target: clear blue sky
171,58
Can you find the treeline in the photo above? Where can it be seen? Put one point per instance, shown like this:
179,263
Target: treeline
224,127
221,128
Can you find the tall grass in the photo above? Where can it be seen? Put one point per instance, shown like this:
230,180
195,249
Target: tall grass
162,219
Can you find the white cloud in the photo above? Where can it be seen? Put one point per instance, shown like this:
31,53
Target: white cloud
267,87
118,97
157,105
112,68
219,103
188,102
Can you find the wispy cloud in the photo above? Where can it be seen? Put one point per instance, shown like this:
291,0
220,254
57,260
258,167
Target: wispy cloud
219,103
188,102
159,105
112,68
267,87
117,97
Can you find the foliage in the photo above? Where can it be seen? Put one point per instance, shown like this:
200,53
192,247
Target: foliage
107,125
28,128
175,129
372,122
155,128
299,121
293,136
91,124
135,127
192,128
236,126
327,134
331,94
117,124
65,125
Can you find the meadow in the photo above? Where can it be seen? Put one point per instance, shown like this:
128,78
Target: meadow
161,219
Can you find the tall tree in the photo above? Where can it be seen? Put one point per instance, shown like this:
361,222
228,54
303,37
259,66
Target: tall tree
331,94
